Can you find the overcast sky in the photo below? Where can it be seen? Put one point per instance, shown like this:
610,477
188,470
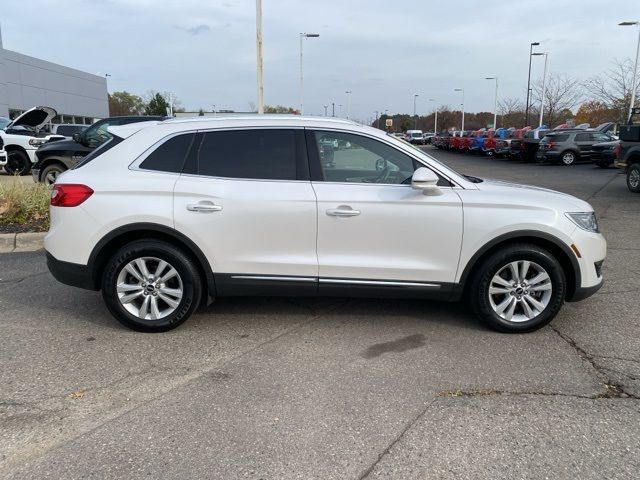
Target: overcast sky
381,50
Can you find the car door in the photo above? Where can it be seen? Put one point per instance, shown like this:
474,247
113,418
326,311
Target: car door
245,198
584,141
374,230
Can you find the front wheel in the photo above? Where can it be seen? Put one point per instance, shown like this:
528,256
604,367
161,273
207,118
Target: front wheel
633,178
51,173
18,163
151,286
568,158
519,288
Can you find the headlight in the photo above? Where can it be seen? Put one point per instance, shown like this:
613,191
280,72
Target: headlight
585,220
35,142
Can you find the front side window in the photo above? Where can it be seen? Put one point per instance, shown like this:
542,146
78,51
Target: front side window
582,137
346,157
170,155
263,154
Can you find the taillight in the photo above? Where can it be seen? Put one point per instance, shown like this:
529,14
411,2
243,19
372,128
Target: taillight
69,195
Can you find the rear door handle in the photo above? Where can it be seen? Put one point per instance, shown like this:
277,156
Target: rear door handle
204,207
343,211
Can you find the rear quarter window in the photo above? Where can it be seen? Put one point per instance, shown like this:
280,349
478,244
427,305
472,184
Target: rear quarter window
170,155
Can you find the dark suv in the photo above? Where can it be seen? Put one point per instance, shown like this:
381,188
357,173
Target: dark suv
53,158
568,146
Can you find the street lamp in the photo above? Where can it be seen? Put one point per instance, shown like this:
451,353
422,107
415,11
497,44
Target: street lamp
435,123
302,37
461,90
635,68
325,110
348,92
495,103
526,114
544,83
415,117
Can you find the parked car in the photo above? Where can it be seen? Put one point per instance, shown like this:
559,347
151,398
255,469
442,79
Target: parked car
629,154
167,217
428,137
604,154
22,136
516,146
3,153
569,146
54,158
415,137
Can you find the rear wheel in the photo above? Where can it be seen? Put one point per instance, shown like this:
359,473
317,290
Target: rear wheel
18,163
633,178
519,288
151,286
568,157
50,174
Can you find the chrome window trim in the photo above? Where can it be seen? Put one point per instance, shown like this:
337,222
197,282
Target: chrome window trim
275,278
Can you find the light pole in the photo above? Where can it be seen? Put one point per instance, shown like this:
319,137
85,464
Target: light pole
635,68
435,123
461,90
544,83
339,110
325,110
333,109
259,56
495,103
526,112
302,37
376,122
415,117
348,92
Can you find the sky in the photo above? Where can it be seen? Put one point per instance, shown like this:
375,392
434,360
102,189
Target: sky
385,52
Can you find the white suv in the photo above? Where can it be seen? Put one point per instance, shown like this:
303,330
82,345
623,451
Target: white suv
164,218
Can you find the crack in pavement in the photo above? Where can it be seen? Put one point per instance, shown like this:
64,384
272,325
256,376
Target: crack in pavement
614,176
18,280
613,389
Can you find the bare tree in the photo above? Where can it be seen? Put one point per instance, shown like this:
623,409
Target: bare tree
613,87
562,94
511,111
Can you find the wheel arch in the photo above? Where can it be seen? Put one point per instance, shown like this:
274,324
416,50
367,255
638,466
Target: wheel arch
51,161
555,246
147,231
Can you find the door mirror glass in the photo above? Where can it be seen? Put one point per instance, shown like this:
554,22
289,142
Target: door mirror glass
77,138
426,180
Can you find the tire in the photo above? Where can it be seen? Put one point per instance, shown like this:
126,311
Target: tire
18,163
118,271
633,178
50,173
489,306
568,158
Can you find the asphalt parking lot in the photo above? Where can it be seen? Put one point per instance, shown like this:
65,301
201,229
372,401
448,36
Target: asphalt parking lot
285,388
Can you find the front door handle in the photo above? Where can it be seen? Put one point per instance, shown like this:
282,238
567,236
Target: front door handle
343,211
204,207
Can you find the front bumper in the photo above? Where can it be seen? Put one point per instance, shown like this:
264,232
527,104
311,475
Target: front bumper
585,292
73,274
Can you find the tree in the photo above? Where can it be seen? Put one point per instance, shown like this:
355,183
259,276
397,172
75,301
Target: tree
201,112
125,103
157,105
595,112
511,112
280,109
613,87
562,94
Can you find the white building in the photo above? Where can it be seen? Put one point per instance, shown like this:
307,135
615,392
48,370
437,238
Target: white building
25,82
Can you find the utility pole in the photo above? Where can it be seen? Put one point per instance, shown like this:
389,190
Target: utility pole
259,56
333,109
415,117
325,110
348,92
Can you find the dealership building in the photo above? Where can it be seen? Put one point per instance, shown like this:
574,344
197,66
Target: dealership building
26,82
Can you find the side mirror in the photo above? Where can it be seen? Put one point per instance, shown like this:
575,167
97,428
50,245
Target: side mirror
426,180
77,138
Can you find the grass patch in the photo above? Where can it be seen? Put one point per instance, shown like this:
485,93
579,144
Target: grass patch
24,206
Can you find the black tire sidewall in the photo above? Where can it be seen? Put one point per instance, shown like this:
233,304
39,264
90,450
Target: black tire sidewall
43,175
480,287
191,283
22,159
635,167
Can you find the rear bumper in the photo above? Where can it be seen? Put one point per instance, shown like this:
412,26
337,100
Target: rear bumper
73,274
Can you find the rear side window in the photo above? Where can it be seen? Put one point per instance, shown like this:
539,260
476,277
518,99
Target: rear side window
170,155
583,137
252,154
558,138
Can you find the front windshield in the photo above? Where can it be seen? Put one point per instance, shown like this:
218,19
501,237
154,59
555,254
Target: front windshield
96,134
4,122
416,135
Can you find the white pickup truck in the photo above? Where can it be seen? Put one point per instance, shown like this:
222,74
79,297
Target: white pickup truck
22,137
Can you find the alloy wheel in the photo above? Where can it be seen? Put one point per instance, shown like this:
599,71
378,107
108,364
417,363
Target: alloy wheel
568,158
149,288
634,178
520,291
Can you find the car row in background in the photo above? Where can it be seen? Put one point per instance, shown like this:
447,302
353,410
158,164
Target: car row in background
564,144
